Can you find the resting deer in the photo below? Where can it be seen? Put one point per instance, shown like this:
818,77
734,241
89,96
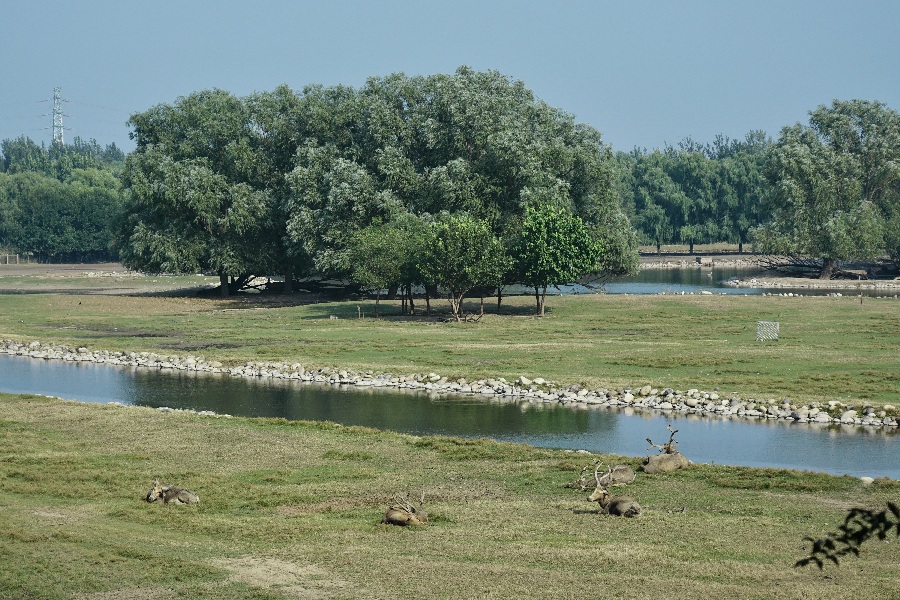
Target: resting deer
168,494
669,459
403,513
618,475
621,506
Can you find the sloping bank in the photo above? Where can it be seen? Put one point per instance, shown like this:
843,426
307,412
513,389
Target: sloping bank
524,389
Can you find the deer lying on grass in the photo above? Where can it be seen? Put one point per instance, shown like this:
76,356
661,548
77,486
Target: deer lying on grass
403,513
168,494
620,506
617,475
669,459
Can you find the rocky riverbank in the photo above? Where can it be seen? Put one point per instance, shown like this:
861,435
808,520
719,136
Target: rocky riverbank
523,389
696,262
890,287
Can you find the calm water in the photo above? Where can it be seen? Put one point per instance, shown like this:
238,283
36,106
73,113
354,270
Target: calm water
711,279
836,450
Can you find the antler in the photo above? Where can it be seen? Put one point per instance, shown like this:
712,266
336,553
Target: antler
668,447
401,503
597,478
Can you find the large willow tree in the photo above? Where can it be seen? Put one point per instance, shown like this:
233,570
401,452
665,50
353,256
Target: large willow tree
836,186
281,182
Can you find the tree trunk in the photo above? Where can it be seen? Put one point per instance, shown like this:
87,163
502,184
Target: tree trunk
288,281
691,246
740,247
392,291
454,306
377,297
827,268
658,248
430,292
412,306
223,284
482,305
543,299
499,298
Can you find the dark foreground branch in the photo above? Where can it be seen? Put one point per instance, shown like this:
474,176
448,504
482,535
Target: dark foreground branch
860,525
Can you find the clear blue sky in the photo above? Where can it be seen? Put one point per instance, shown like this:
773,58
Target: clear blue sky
643,72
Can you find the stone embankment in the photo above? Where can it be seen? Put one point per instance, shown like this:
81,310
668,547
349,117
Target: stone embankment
890,287
691,262
523,389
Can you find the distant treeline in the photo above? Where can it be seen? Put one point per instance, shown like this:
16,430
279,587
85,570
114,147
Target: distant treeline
285,181
822,193
60,203
696,194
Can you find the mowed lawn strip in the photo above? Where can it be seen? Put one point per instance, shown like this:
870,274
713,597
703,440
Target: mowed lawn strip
830,348
292,510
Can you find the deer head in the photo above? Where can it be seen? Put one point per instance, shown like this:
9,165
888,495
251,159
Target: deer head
155,492
600,492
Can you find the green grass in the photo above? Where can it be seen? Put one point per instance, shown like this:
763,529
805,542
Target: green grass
829,348
292,510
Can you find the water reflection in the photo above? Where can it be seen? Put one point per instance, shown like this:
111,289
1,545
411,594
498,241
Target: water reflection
833,449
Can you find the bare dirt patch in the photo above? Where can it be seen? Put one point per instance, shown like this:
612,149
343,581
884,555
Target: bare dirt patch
290,579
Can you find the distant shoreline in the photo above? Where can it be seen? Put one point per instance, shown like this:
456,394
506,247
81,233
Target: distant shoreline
647,261
773,281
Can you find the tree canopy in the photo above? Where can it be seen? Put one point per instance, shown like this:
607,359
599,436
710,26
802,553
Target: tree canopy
836,185
696,193
284,181
59,203
553,248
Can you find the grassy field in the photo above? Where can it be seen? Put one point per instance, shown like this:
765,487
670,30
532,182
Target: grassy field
292,510
830,348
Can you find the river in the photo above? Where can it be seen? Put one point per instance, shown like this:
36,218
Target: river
839,450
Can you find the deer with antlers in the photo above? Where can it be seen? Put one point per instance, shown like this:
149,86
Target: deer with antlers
669,459
403,513
618,475
620,506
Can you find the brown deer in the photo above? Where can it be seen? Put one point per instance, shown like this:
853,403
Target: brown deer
618,475
168,494
620,506
403,513
669,459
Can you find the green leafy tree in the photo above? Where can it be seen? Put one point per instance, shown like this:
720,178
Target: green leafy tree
742,187
554,248
60,221
655,224
332,198
836,185
696,193
22,155
325,163
618,242
194,203
461,253
376,257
